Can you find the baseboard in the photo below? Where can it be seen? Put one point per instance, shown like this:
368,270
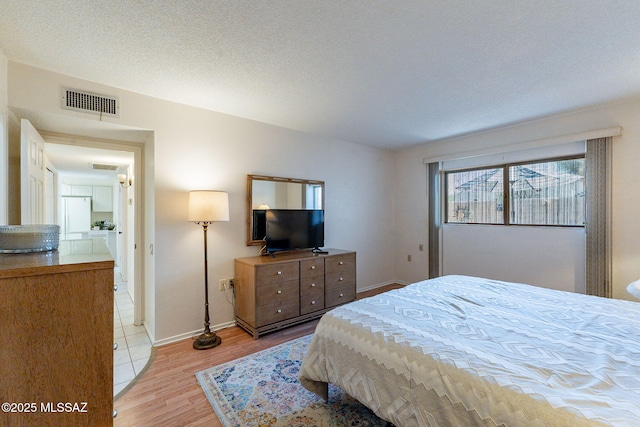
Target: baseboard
379,285
191,334
144,325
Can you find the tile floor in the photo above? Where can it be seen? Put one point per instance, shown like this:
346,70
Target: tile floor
134,346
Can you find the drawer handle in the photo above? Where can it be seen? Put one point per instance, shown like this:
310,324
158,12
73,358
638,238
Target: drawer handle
313,285
115,288
341,279
341,263
313,267
279,291
279,273
279,311
313,302
115,346
115,413
341,295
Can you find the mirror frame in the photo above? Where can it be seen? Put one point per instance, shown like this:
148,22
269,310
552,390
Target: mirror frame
249,213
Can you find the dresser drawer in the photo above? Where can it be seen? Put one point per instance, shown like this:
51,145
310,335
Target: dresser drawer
340,295
311,294
277,292
335,280
276,273
272,313
312,284
340,263
344,262
311,302
312,267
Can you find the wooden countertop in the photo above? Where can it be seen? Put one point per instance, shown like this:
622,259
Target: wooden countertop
70,255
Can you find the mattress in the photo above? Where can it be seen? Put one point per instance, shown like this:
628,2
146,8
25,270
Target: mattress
466,351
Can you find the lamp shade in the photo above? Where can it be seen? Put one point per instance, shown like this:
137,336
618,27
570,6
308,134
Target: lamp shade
208,206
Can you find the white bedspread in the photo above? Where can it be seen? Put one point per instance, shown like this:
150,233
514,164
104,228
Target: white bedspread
464,351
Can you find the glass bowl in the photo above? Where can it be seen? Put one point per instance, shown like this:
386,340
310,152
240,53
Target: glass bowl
18,239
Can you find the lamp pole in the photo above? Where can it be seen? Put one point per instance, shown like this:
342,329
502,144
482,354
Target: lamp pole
207,339
206,207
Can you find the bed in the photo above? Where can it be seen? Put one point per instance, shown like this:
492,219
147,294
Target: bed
467,351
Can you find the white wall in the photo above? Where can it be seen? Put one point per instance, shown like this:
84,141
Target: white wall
198,149
411,176
543,256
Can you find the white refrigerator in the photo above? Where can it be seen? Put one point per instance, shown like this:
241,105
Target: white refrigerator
76,217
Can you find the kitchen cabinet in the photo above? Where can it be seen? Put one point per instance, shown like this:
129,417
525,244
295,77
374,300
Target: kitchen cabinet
102,199
82,190
102,196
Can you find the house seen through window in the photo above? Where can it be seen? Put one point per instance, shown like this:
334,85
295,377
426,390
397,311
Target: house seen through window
550,192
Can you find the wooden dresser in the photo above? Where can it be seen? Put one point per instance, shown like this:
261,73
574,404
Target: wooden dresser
56,336
275,292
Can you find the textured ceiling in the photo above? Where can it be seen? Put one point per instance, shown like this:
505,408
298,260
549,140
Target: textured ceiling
383,73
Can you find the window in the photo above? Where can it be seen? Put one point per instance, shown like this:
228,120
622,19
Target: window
313,196
549,192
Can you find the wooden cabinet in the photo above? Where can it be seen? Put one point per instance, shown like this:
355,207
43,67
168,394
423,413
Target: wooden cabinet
273,293
56,345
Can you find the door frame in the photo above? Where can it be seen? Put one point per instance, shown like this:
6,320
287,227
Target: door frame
138,150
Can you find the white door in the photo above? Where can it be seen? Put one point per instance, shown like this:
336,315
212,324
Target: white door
32,175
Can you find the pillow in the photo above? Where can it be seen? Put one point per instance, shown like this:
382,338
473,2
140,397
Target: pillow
634,288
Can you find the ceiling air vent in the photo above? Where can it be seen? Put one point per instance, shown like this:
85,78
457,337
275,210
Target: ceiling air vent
88,102
98,166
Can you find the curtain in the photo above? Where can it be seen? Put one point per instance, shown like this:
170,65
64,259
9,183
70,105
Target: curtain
433,183
597,240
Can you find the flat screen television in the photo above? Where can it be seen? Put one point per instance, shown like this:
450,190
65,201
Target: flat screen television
288,229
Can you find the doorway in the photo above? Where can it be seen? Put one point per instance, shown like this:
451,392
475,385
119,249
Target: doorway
76,134
84,164
106,177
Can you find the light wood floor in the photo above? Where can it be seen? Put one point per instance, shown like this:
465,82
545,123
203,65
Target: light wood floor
168,394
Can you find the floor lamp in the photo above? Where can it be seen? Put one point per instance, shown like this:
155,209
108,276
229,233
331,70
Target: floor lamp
206,207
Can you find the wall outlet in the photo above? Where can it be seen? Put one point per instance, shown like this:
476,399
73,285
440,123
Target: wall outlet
223,284
231,282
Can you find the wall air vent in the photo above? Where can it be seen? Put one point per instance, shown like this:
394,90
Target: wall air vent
88,102
98,166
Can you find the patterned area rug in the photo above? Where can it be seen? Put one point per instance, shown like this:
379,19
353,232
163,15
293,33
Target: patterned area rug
262,389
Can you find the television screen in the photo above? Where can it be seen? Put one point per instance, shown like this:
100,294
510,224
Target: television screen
294,229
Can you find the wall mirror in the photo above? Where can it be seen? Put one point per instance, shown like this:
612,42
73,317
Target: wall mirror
272,192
